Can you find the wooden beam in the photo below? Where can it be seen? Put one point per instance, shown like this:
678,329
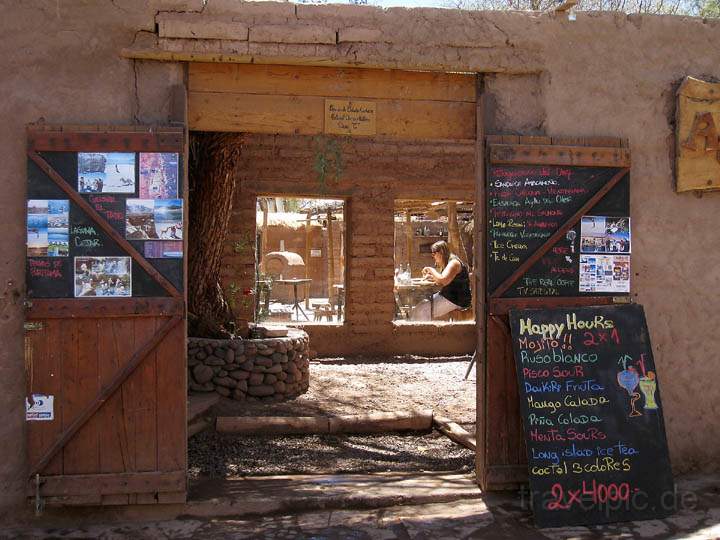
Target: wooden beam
524,154
454,432
166,139
352,83
105,393
501,306
305,115
93,308
565,227
126,246
109,484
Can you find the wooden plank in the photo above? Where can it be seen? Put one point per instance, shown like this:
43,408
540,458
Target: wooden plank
116,341
330,82
92,485
44,377
493,139
501,306
171,399
80,385
454,432
479,270
169,140
82,308
603,141
510,139
305,116
535,139
550,242
71,428
143,404
103,224
496,428
199,404
517,154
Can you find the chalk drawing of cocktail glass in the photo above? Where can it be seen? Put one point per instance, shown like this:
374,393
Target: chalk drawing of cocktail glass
628,378
648,385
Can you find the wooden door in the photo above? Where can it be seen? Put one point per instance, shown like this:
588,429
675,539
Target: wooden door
112,359
503,461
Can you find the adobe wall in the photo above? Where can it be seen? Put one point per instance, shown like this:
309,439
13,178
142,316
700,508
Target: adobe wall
604,74
374,175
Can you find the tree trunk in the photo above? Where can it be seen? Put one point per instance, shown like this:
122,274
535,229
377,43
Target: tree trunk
213,175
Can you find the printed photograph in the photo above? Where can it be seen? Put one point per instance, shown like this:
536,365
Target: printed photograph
48,228
601,234
103,276
604,273
158,175
111,172
170,249
154,219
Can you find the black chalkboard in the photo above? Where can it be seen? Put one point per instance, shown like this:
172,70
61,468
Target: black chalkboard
55,276
593,418
526,204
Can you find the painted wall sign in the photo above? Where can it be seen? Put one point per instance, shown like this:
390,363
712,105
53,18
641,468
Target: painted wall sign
698,141
346,117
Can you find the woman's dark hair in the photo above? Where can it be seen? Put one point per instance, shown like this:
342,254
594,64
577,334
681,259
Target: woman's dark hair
441,246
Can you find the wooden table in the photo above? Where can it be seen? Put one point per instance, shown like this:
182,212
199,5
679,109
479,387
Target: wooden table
426,287
295,282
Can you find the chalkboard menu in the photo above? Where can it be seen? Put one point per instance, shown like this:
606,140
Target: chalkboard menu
527,204
592,414
138,194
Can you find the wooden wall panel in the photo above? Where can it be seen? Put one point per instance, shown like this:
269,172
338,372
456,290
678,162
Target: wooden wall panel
331,82
304,115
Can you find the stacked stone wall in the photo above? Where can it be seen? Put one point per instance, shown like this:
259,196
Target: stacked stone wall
272,369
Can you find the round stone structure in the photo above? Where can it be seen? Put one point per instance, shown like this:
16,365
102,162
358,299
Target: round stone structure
269,369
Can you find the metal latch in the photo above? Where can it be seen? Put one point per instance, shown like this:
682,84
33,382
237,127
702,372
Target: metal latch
34,326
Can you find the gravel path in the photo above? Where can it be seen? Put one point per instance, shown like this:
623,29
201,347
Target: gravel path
350,386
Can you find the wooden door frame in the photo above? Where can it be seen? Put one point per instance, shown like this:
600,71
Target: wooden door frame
492,308
86,488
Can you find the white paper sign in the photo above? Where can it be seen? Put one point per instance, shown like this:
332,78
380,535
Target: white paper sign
316,253
41,409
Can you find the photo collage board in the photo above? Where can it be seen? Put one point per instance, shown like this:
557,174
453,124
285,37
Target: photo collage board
527,204
138,193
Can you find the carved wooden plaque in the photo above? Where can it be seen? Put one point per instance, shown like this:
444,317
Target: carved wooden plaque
697,128
347,117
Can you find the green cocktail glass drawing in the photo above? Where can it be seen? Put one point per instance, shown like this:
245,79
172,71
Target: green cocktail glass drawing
647,387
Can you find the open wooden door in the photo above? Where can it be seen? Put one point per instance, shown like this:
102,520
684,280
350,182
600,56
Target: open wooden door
532,260
105,334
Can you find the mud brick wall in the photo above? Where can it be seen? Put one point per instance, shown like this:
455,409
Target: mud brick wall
374,174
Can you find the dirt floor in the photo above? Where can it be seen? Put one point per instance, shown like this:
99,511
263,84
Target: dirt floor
350,386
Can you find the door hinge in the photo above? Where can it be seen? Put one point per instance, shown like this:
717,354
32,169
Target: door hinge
34,326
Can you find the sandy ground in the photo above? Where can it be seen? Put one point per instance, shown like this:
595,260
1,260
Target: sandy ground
350,386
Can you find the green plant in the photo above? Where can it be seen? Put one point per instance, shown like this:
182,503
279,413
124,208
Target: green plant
328,161
244,244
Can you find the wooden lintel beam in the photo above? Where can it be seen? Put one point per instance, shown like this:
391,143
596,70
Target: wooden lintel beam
79,308
577,156
501,306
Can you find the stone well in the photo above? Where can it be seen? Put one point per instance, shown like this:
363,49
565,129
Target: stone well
270,369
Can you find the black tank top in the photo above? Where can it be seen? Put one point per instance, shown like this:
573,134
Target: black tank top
458,290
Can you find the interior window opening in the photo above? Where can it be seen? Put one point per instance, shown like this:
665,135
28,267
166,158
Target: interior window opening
300,269
433,261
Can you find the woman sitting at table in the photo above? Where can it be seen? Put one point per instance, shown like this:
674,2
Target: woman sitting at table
455,281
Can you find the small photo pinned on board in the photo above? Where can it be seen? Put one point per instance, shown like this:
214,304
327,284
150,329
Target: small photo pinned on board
602,234
48,228
158,175
154,219
103,276
106,172
164,249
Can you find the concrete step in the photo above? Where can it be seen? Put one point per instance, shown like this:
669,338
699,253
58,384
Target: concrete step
264,495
